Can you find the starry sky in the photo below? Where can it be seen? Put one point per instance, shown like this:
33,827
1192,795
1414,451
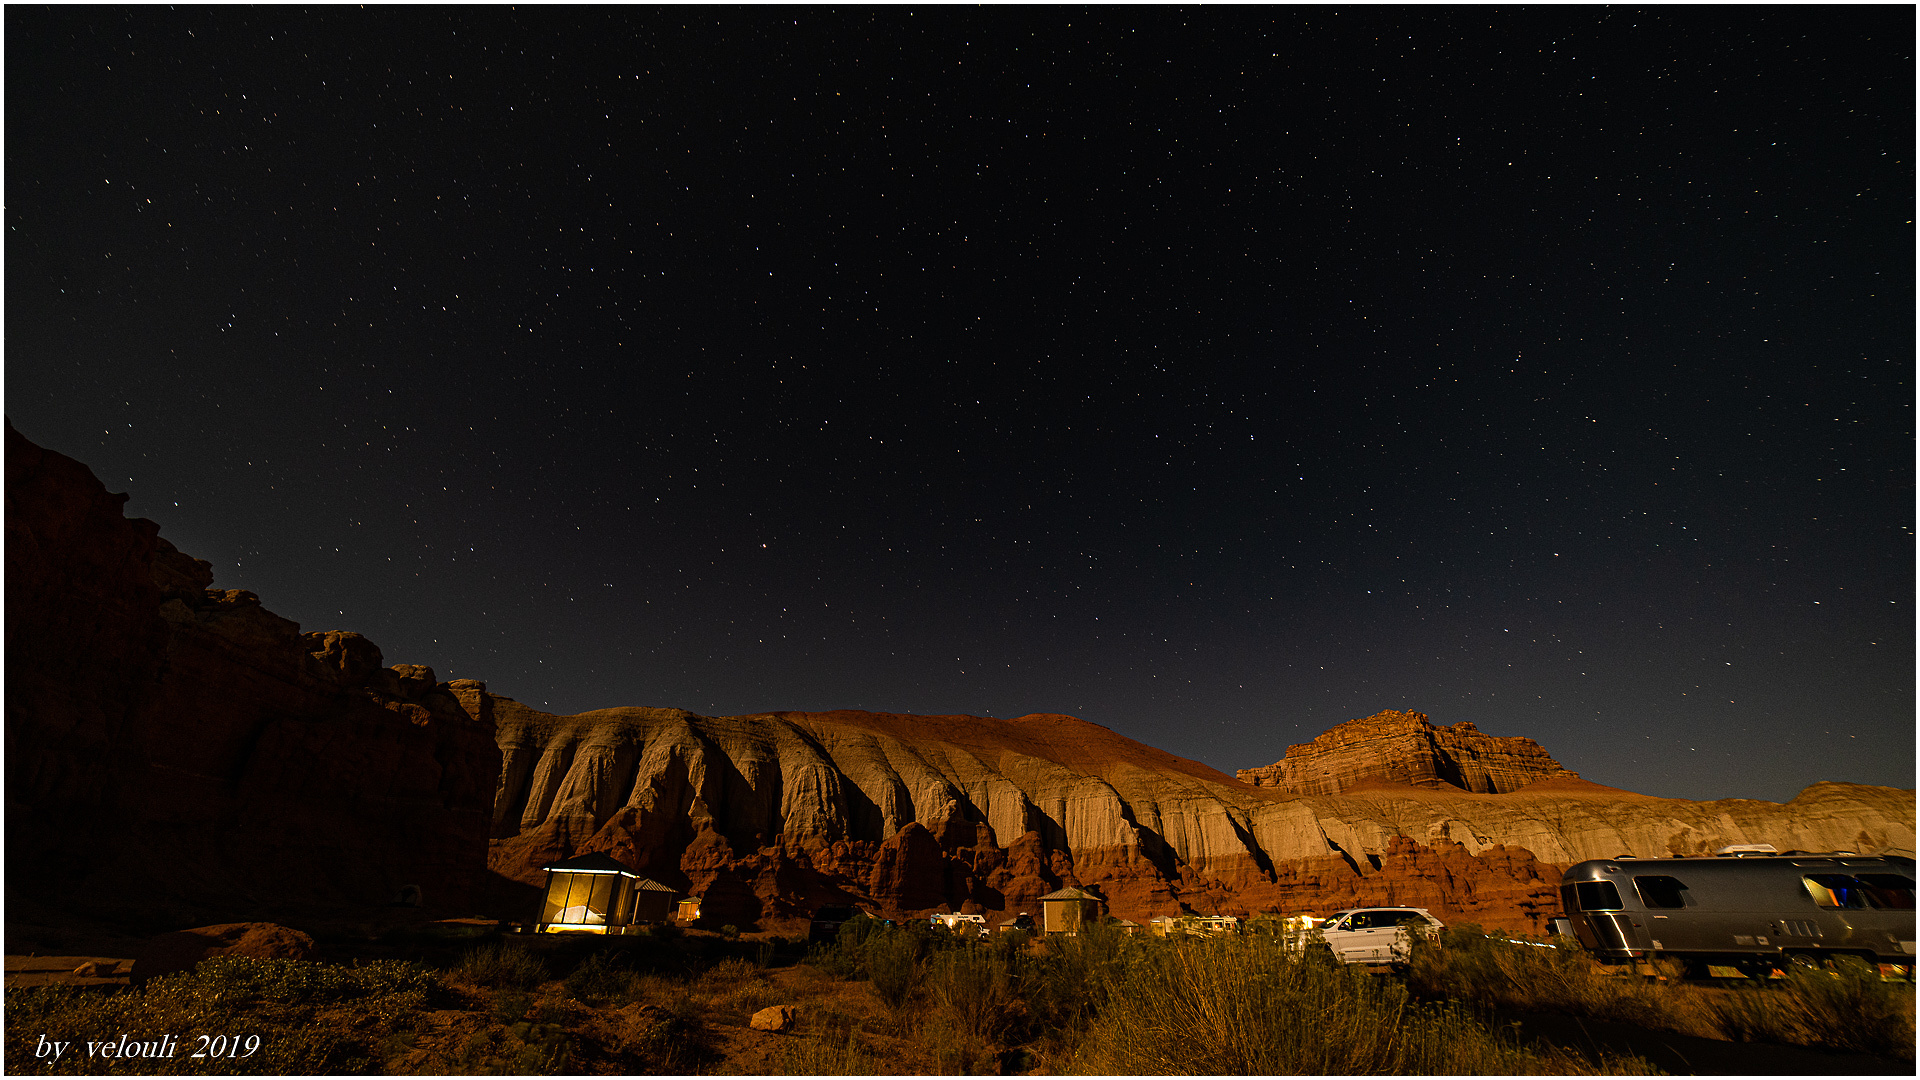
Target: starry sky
1213,375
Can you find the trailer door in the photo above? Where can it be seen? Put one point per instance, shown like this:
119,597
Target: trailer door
1599,919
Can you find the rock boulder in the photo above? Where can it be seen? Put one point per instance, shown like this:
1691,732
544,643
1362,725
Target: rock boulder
183,950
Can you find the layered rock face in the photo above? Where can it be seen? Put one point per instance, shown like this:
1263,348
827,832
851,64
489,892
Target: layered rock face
767,816
1405,748
179,751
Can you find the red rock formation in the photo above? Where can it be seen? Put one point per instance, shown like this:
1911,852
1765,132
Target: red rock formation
1404,747
176,751
183,950
766,817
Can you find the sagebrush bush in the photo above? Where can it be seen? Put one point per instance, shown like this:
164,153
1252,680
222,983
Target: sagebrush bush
1852,1008
310,1018
825,1053
1849,1008
973,985
1067,985
1467,965
502,965
603,978
893,966
1251,1005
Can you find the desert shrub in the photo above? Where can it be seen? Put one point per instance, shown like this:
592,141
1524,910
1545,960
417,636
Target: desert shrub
502,965
748,998
1250,1005
956,1051
1067,986
602,979
833,961
238,979
524,1048
1468,966
510,1006
729,971
825,1053
681,998
854,932
893,966
974,986
309,1018
1851,1008
734,985
845,956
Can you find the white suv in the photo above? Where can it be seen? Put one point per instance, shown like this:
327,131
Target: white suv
1374,935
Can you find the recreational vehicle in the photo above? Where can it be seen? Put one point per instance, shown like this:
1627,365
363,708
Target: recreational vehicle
1752,911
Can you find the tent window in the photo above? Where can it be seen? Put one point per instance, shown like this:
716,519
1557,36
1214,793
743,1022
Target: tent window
556,898
581,899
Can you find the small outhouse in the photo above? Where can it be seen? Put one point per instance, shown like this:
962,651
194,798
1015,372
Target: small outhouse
1064,911
597,894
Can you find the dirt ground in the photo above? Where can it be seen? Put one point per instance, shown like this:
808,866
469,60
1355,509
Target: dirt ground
908,1043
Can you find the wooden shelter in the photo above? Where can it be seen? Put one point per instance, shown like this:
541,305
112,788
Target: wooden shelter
1065,911
597,894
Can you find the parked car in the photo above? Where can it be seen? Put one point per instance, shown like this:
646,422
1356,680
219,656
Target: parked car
827,922
1373,936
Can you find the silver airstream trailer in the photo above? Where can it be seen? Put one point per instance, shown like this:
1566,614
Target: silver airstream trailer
1751,911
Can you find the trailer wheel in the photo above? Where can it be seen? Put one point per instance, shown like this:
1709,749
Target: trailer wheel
1804,961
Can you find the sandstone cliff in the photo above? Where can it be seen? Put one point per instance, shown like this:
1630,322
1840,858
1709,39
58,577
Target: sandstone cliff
767,816
179,751
1406,748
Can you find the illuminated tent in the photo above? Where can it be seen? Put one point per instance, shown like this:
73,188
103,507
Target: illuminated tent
597,894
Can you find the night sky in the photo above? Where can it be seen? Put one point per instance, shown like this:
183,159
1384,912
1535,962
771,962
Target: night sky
1215,375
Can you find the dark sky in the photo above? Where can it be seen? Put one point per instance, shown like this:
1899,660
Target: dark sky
1214,375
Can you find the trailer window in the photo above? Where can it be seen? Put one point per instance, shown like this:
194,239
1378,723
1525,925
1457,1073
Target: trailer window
1597,895
1661,892
1888,891
1835,891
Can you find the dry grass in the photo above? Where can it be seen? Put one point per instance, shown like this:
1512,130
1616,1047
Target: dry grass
295,1017
1850,1008
1094,1003
1248,1005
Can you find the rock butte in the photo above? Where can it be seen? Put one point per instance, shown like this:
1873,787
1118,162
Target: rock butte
1405,747
179,753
